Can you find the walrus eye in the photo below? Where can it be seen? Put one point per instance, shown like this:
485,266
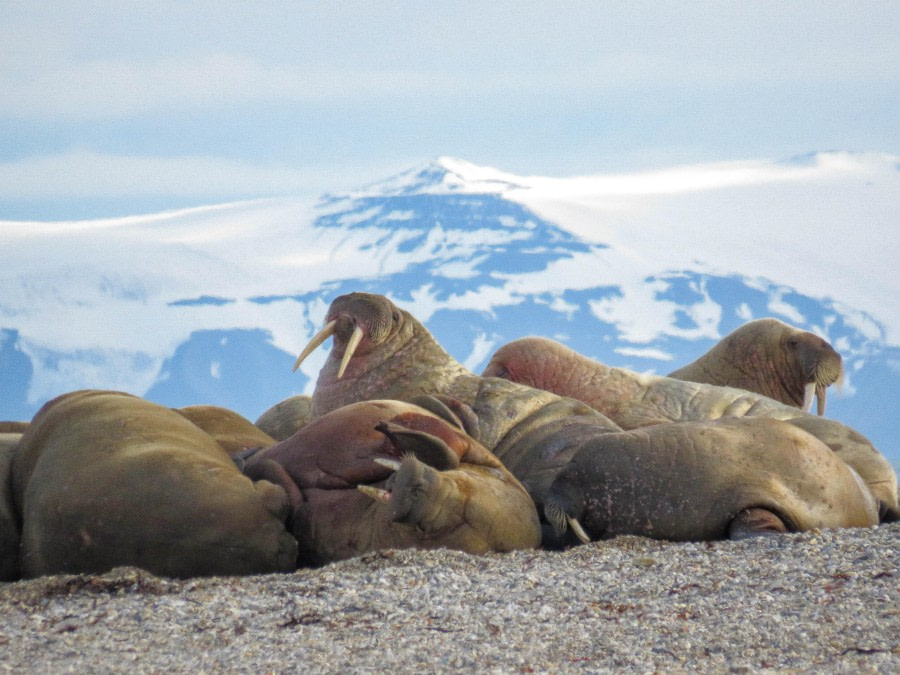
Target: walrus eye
793,343
395,316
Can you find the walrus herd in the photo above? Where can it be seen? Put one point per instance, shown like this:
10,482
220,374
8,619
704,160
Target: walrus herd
400,446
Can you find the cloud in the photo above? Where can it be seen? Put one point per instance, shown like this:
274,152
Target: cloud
117,88
84,173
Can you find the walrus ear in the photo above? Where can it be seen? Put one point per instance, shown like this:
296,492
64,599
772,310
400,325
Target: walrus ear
450,410
428,449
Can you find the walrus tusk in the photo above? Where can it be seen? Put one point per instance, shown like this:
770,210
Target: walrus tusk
377,494
352,344
392,464
808,392
318,339
578,530
820,399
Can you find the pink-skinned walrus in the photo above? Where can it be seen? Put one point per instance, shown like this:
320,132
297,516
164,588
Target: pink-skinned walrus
388,474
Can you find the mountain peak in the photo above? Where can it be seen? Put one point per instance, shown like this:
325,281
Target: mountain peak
444,175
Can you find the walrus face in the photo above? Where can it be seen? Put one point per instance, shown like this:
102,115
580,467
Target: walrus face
359,323
818,367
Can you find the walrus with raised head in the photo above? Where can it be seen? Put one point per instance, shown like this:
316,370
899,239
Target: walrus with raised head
386,474
102,479
772,358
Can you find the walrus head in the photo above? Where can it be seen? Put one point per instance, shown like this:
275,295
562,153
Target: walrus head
818,366
359,323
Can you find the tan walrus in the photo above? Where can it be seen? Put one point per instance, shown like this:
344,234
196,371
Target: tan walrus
234,432
103,479
717,479
772,358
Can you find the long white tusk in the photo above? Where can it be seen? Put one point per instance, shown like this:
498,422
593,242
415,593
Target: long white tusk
808,392
820,399
352,344
377,494
578,530
392,464
318,339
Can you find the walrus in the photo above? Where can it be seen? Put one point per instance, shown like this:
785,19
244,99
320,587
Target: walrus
103,479
716,479
379,349
9,521
388,474
772,358
286,417
232,431
13,427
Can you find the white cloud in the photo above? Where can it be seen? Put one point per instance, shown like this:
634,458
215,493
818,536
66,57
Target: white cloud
644,353
83,173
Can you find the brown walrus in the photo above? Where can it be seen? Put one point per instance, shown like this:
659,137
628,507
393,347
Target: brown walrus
634,400
731,477
379,349
9,520
385,474
772,358
286,417
234,432
103,479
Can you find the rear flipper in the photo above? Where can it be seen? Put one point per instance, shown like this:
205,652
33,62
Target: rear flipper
755,522
264,471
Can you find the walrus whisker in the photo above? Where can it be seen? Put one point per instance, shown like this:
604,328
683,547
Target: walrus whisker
377,494
578,530
391,464
318,339
352,344
808,391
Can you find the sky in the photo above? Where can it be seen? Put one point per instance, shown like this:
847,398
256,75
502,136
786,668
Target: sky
119,108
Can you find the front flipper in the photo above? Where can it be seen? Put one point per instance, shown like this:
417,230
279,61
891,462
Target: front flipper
450,410
755,522
427,448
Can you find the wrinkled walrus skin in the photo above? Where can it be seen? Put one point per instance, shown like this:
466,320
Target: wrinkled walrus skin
9,520
425,484
103,479
635,400
690,480
772,358
391,355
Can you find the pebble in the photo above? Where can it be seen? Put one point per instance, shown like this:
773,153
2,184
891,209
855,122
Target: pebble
812,602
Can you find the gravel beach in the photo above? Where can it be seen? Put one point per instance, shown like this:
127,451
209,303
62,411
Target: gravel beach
823,601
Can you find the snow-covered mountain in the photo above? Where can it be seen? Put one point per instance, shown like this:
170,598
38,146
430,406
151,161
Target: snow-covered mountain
645,271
